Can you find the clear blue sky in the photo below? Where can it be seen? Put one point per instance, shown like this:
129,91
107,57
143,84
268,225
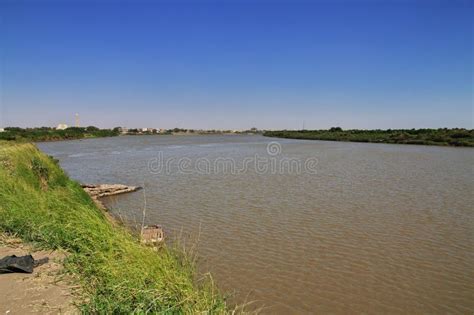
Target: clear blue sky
237,64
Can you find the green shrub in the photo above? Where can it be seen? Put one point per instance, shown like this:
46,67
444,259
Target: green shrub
39,169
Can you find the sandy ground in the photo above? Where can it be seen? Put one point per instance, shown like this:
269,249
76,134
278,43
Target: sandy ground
42,292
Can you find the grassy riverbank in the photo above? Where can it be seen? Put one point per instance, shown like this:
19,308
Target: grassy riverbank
446,137
40,204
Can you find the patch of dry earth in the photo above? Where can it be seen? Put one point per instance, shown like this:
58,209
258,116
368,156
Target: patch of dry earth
44,291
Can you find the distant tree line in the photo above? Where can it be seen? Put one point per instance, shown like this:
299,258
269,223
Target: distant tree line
173,131
442,136
52,134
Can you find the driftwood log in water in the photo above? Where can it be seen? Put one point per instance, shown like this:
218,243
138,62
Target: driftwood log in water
104,190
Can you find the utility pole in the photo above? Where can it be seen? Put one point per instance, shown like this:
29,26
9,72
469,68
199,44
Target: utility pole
77,119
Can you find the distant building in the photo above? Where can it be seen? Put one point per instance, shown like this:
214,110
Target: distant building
150,130
61,127
2,130
123,130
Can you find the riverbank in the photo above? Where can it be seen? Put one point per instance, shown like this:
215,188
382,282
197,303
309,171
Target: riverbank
45,291
46,134
442,137
41,205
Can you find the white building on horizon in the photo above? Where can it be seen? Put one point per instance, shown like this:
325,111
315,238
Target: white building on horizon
152,130
123,130
2,130
61,127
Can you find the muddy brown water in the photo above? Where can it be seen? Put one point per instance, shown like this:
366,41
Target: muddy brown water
360,228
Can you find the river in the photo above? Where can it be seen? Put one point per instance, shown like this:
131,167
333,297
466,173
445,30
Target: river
302,226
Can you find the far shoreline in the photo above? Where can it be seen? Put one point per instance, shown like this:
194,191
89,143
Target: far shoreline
427,137
454,137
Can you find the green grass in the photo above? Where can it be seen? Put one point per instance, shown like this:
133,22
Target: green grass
443,136
40,204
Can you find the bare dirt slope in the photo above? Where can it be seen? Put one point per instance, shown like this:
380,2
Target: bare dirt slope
42,292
